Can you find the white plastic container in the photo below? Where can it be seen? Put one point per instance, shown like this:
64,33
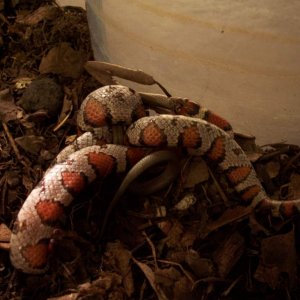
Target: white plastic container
238,58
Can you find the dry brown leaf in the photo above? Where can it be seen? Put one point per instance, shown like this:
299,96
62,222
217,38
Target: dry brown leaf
5,95
103,78
120,257
202,267
295,183
151,278
278,256
27,182
103,68
247,142
197,173
42,13
175,235
5,233
72,296
107,281
31,143
188,238
8,110
106,285
62,60
167,277
231,215
272,168
12,178
183,289
65,113
256,226
227,255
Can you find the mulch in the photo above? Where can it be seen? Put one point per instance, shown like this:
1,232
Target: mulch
192,240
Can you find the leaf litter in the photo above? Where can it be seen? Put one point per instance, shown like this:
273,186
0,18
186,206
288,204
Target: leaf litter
191,241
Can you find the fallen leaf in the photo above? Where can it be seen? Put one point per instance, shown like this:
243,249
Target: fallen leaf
188,238
31,143
5,233
108,280
183,289
62,60
295,184
278,256
42,13
229,253
166,277
175,235
106,285
72,296
119,257
202,267
247,142
231,215
151,278
272,168
104,68
197,173
8,110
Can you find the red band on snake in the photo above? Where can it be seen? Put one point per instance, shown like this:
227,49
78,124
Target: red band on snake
106,107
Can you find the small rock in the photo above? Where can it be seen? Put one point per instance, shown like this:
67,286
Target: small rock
42,94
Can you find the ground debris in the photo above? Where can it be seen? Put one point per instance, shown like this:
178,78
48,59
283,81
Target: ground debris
190,241
276,267
62,60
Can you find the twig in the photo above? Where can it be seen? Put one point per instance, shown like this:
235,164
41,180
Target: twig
152,249
222,194
268,156
12,142
181,268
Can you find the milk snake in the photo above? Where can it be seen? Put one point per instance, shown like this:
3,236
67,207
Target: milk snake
200,131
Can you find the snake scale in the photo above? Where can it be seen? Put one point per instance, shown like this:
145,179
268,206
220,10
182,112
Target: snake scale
200,131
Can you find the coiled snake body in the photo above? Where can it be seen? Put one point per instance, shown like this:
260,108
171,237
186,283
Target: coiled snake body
105,107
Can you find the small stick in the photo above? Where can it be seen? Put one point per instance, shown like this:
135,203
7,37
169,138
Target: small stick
172,263
21,159
12,141
221,192
157,100
152,249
